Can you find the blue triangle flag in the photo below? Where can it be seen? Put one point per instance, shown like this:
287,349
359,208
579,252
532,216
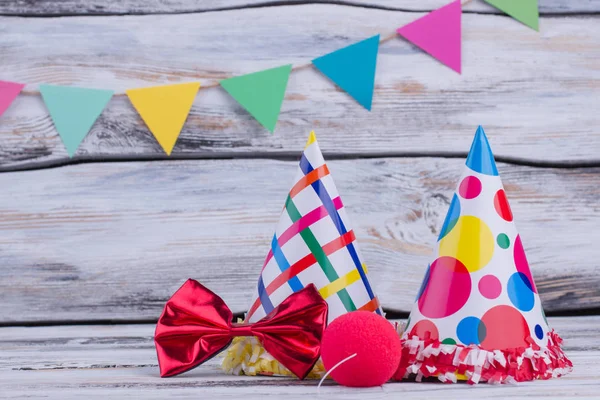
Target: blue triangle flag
74,111
480,158
352,68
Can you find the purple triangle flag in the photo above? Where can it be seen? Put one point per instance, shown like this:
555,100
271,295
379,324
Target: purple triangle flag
439,34
8,93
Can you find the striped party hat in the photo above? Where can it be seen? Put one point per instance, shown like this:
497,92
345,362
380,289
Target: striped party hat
478,314
313,243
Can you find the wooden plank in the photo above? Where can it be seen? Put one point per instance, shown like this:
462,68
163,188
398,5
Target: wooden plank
540,109
97,7
144,383
114,241
127,346
118,361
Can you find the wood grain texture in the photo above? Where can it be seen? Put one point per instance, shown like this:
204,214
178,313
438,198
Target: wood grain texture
140,7
536,93
120,361
122,346
212,384
114,241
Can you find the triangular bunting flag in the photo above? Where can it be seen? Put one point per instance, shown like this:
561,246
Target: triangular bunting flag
352,68
164,109
439,34
74,111
525,11
8,93
260,93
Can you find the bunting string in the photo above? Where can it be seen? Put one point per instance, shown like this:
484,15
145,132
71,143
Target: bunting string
165,108
392,35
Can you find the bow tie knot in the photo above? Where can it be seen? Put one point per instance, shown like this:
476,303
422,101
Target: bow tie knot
241,330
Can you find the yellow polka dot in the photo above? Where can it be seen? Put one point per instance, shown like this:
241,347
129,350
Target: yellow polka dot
470,241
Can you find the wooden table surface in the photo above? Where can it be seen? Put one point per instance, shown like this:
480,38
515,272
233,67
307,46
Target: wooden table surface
92,247
91,361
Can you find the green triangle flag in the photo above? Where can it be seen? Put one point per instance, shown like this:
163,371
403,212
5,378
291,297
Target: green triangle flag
74,111
525,11
260,93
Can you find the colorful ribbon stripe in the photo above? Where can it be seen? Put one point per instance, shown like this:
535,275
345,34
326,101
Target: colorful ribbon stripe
314,244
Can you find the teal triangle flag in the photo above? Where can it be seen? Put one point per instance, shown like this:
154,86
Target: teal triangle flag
352,68
481,158
260,93
74,111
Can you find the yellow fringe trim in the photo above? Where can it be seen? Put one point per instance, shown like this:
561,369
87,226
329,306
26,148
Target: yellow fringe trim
246,356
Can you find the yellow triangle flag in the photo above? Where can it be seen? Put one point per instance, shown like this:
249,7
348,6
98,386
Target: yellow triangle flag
164,109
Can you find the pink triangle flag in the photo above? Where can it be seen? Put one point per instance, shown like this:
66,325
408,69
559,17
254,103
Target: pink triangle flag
439,34
8,93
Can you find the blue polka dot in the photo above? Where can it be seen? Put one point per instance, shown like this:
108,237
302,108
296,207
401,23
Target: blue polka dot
539,332
520,292
424,284
471,330
451,217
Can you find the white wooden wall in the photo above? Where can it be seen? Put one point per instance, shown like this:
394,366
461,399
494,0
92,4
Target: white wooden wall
110,234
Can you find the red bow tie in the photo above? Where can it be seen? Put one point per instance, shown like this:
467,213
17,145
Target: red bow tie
196,325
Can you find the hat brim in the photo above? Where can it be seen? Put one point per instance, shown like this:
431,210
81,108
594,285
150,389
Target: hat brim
455,362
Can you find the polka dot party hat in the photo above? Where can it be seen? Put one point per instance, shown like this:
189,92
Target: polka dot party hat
313,243
478,314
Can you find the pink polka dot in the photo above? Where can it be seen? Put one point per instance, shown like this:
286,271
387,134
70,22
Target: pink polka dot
447,289
521,262
425,329
470,187
490,287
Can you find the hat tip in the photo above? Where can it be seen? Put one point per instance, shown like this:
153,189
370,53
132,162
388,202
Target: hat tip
311,139
481,158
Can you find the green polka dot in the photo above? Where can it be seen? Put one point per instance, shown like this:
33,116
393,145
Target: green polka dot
503,241
448,341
